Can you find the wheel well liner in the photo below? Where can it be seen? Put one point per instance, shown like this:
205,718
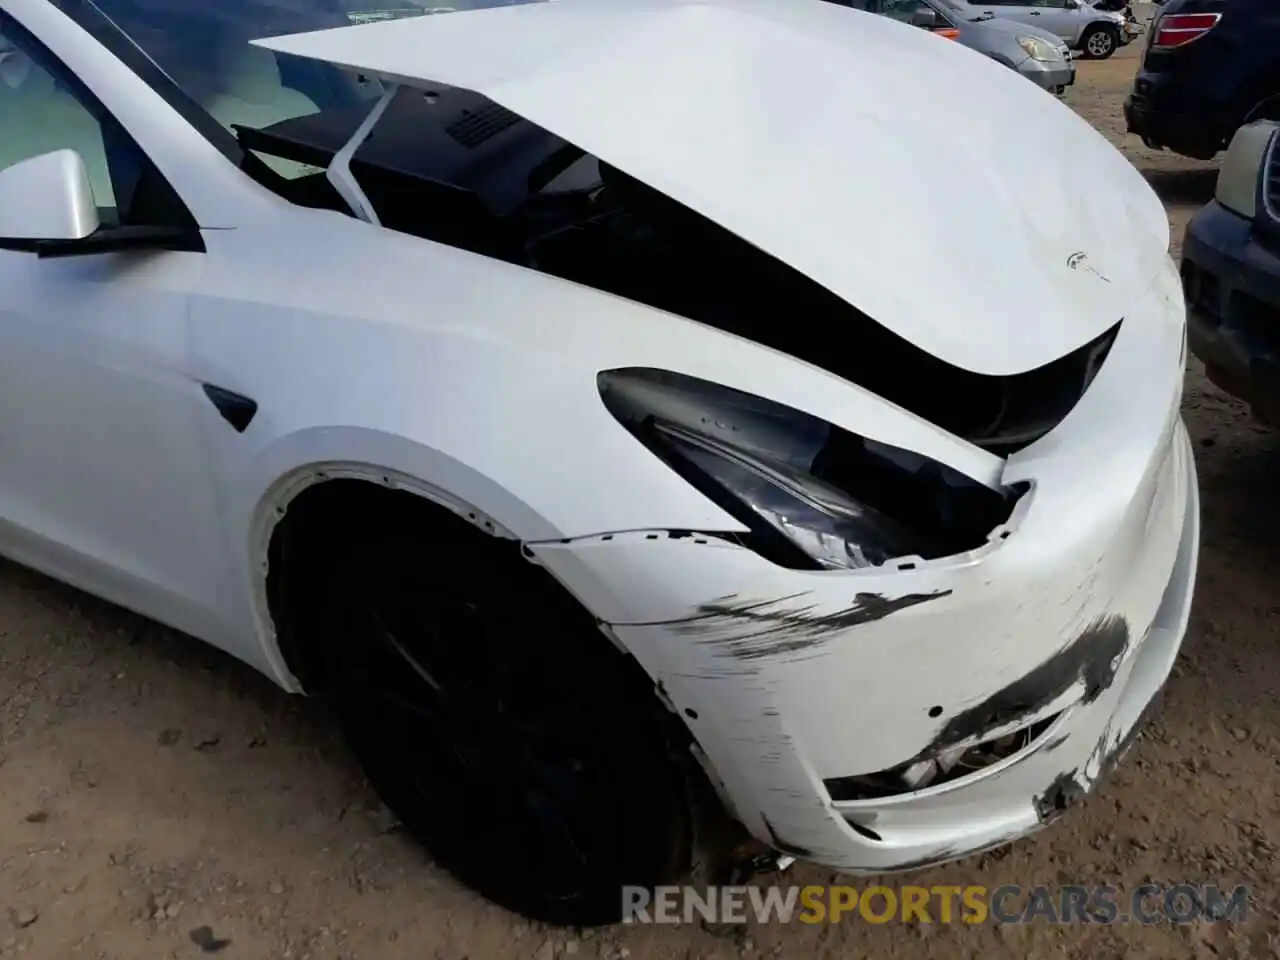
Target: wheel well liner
320,519
326,515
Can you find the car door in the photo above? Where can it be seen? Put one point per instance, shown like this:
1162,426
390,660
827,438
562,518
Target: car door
1065,18
104,475
1034,12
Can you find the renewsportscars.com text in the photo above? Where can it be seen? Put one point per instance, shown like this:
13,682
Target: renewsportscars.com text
1064,904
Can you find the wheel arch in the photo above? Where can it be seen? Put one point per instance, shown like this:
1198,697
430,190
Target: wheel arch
302,469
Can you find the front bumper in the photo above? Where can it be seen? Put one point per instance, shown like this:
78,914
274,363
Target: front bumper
1232,285
1052,77
1200,134
1067,623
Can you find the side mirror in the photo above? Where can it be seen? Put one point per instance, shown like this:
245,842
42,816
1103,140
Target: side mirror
46,198
925,17
47,208
1072,4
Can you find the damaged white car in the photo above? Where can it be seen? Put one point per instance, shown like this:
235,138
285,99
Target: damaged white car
604,402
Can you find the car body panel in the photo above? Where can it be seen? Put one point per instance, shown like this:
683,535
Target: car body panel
998,39
1231,272
682,131
1069,24
472,382
792,671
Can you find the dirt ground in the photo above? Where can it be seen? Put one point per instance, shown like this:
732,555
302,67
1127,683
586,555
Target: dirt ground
158,799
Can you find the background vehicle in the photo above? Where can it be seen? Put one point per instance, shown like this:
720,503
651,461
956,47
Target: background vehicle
1231,273
1038,55
1210,66
1097,34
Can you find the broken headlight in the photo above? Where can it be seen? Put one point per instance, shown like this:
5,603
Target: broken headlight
813,496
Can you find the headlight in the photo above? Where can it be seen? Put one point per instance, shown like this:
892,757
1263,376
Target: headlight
813,496
1240,178
1037,49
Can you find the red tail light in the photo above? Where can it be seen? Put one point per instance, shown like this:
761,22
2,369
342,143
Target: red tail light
1179,29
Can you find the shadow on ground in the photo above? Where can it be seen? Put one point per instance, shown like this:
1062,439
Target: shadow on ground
1183,186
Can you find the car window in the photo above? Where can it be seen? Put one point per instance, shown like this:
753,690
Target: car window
43,108
905,10
38,115
205,50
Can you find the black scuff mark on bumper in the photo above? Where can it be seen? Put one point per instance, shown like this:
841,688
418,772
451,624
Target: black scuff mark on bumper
1060,796
1070,786
785,846
758,629
1093,657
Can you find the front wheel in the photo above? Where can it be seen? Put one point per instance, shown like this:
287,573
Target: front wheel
1100,41
509,735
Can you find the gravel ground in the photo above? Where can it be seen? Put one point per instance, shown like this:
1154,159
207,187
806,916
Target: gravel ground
159,800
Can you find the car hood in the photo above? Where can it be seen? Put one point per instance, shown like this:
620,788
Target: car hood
926,185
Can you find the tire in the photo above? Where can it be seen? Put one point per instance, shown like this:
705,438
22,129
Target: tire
1100,41
529,757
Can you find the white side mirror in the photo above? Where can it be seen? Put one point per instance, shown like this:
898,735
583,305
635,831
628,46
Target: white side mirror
47,198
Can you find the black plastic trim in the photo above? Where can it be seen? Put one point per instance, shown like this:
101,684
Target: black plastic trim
112,240
237,409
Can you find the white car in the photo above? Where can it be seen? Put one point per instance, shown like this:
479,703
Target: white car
1096,33
605,401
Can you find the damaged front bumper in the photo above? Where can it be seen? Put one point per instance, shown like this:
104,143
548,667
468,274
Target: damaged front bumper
889,718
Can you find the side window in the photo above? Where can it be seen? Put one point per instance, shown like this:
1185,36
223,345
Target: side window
43,108
903,10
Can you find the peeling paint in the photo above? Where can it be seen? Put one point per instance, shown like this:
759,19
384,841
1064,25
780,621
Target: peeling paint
1070,785
1094,657
756,629
1062,794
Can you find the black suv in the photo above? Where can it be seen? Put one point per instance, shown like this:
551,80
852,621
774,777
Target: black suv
1210,67
1231,273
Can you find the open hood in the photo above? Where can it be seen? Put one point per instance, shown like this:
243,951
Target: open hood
937,192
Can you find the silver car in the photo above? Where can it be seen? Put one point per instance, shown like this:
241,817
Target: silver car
1036,54
1096,33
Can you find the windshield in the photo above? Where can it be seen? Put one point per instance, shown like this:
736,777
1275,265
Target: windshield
205,49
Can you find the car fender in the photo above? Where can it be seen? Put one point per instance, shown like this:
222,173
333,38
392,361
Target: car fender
469,382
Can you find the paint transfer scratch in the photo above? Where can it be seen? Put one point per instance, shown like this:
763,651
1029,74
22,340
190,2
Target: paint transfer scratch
755,629
1092,658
